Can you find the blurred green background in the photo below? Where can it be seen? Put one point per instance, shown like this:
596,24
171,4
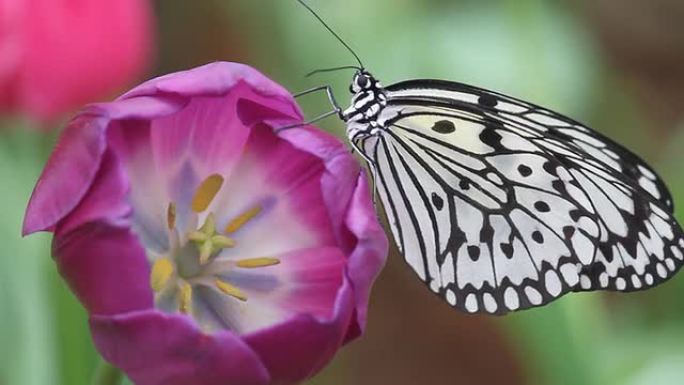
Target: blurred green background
613,64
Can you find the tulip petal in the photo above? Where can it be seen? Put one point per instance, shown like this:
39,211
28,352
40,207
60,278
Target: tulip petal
154,348
312,341
67,175
303,282
206,134
217,79
339,179
285,184
369,254
106,268
352,213
106,199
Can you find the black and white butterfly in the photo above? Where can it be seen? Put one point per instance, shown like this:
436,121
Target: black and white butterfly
501,205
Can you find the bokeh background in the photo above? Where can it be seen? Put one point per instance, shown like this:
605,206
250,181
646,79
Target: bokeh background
614,64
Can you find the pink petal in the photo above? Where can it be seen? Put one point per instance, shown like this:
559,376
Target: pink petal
216,79
312,280
305,282
206,134
339,179
352,213
67,175
158,349
106,199
105,266
311,341
285,182
370,252
75,161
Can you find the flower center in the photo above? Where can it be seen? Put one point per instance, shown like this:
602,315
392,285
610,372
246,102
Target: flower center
192,259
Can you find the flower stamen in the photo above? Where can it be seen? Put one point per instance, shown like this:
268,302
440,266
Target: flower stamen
242,219
206,192
227,288
171,216
185,298
257,262
162,270
208,240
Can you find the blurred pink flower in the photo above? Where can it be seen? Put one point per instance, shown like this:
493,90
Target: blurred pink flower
206,248
56,55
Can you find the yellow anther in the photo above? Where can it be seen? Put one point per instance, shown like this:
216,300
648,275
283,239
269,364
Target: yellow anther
162,270
185,299
241,219
230,290
257,262
171,216
208,240
206,192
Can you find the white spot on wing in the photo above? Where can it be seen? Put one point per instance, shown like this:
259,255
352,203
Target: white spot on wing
670,264
553,284
510,107
489,302
434,285
546,120
649,186
451,297
585,282
471,303
533,295
511,298
646,172
569,273
649,279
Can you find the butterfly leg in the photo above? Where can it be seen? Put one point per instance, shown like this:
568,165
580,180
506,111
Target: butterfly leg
331,97
312,121
371,166
336,111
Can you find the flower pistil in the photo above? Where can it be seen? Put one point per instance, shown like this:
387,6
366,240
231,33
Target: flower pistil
189,262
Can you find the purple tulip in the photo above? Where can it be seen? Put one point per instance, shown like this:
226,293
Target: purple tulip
206,248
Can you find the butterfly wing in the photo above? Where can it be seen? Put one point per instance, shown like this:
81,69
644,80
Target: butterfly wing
500,205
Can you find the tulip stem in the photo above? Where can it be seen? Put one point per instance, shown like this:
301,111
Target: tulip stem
106,374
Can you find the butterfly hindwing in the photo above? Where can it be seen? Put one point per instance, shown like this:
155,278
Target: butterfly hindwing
500,205
490,254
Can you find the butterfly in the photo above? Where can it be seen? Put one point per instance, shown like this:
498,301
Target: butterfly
500,205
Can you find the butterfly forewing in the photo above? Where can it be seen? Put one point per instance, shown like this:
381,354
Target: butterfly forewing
500,205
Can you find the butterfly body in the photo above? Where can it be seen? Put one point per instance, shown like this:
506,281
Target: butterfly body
364,116
500,205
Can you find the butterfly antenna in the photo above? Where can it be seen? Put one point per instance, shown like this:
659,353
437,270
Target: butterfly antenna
331,70
305,5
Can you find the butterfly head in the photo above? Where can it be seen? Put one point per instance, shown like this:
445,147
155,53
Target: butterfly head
363,81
